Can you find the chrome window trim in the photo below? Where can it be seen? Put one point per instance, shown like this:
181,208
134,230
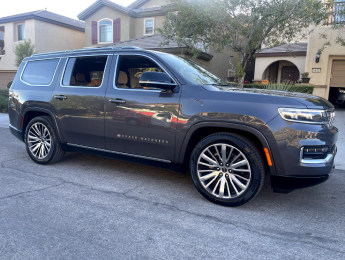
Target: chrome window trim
64,70
120,153
316,161
29,84
138,89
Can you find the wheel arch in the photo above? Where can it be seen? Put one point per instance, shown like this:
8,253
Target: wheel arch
33,112
199,131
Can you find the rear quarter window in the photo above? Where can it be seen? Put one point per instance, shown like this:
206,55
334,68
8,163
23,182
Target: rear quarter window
40,72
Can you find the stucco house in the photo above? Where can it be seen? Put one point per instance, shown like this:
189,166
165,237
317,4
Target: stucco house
110,24
48,31
290,60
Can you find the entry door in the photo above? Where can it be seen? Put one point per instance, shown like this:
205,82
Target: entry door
290,74
338,74
140,121
79,100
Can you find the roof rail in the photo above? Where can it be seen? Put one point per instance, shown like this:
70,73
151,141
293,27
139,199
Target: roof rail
87,50
48,53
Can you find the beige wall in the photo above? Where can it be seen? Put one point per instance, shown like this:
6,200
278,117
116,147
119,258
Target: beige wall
50,37
6,77
262,63
47,37
153,3
106,12
7,60
330,53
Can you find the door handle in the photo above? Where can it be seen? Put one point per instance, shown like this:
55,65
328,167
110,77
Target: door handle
118,101
61,97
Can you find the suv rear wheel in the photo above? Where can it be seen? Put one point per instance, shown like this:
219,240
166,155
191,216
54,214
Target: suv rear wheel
227,169
41,141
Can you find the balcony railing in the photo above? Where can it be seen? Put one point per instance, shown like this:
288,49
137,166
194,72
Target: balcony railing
338,16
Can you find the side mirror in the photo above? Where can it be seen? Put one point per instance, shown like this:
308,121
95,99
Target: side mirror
154,79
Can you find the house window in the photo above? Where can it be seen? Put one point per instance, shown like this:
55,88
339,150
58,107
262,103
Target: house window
339,12
105,31
148,26
21,32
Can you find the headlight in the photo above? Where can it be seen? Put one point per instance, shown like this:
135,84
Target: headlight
342,91
307,116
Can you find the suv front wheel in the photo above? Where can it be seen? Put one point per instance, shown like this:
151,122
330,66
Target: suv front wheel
227,169
41,141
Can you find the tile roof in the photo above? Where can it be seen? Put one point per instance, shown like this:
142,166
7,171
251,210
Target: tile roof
153,43
133,9
290,47
148,42
48,16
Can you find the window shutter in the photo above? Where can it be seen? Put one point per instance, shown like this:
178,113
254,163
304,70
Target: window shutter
117,30
94,32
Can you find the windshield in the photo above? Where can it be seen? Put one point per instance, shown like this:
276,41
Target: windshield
190,71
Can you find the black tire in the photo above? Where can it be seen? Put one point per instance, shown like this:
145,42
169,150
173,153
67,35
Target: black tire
251,153
55,153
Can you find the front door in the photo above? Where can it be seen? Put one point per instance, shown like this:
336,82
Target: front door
139,120
290,74
78,99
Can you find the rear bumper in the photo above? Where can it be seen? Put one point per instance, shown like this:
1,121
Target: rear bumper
17,133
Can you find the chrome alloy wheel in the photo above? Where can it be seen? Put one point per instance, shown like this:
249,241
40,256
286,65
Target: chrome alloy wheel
39,140
224,171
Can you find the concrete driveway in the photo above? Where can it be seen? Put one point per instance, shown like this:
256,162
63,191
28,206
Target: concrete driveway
87,207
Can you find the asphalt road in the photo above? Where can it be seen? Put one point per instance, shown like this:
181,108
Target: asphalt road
88,207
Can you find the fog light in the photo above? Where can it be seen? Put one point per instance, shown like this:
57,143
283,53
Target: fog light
315,153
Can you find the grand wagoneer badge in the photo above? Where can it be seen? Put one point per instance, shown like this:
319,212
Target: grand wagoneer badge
144,139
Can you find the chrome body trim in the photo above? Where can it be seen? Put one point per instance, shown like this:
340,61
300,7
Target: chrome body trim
64,69
14,128
29,84
119,153
316,161
138,89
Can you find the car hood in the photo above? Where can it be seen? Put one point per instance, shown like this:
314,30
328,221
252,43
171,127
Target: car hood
310,101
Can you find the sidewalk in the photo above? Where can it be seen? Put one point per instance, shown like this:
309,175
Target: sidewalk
4,121
339,122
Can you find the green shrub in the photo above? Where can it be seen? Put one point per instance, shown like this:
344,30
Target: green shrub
3,102
283,87
9,84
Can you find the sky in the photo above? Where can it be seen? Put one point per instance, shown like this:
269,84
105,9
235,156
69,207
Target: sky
69,8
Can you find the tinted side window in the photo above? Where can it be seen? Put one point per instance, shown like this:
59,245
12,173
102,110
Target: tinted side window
130,68
40,72
85,71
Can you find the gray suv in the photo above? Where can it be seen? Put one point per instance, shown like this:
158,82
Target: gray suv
160,109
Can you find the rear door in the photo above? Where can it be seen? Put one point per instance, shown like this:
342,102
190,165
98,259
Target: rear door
78,99
139,121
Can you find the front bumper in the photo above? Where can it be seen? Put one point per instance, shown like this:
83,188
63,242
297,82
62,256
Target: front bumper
293,171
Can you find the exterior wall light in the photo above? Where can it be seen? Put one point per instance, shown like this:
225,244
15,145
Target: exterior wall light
318,55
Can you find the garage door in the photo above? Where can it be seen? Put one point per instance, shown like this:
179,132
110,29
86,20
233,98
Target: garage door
338,73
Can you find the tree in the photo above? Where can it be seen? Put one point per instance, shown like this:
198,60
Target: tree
242,26
22,50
